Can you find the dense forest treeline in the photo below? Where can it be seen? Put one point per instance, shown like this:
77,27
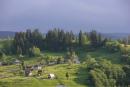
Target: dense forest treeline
32,43
57,40
54,40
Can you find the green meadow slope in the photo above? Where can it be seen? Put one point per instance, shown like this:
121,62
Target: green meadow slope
77,72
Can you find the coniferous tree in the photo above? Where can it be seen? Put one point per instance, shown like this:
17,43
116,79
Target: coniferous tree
93,38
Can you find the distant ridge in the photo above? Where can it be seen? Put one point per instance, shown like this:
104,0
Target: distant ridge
116,35
6,34
11,34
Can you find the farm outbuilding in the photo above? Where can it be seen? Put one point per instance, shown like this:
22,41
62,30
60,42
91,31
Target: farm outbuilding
51,76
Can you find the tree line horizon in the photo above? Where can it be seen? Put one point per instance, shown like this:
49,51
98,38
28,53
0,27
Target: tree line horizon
53,40
56,40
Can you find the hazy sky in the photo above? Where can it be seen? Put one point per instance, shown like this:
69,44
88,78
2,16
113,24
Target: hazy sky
101,15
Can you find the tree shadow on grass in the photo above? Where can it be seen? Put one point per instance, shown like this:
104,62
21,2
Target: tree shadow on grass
83,77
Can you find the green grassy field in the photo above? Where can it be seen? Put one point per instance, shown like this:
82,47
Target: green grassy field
75,80
78,73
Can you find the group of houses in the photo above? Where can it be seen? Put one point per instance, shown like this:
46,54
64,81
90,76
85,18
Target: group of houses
29,69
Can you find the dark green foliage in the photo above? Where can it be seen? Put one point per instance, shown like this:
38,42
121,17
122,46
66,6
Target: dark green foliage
93,38
1,54
8,47
22,65
83,38
126,68
59,60
125,58
24,41
105,74
59,40
96,39
100,79
53,40
113,46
